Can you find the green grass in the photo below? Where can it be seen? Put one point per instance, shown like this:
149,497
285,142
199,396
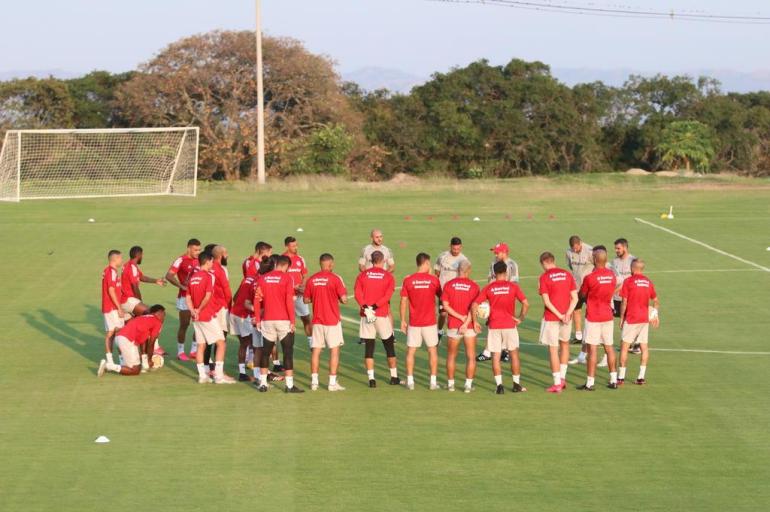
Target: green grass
694,439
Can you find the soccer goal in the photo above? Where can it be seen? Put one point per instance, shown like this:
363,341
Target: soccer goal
58,164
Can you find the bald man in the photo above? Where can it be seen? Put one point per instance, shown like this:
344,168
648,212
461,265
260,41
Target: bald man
365,261
636,316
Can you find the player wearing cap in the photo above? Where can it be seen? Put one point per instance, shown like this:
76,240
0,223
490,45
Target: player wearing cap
457,296
111,298
501,252
597,290
636,317
365,261
373,289
130,278
502,295
203,309
446,269
419,292
250,266
242,325
298,272
559,292
325,290
178,275
142,331
621,266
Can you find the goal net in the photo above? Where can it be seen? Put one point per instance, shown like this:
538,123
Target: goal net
56,164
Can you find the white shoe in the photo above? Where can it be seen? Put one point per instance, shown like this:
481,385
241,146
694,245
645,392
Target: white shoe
434,387
224,379
102,368
574,361
410,386
204,380
468,389
603,362
450,388
314,387
336,387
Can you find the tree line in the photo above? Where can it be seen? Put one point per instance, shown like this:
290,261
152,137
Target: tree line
477,121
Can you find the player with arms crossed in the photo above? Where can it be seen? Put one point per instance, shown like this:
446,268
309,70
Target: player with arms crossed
457,297
298,272
446,269
114,317
559,292
365,261
325,290
142,331
502,253
597,290
419,292
503,335
203,309
636,317
373,289
178,275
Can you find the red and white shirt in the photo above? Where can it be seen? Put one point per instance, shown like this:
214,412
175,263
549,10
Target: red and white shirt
199,284
460,293
245,293
250,266
638,290
325,289
502,297
110,280
558,284
598,288
421,289
141,329
183,267
375,286
297,269
222,292
130,276
276,295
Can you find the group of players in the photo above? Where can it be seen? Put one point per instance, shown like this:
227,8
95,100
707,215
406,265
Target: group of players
275,289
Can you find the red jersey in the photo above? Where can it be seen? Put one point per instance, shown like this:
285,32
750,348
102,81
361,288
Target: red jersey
421,289
297,269
598,288
110,280
183,267
245,293
502,297
325,289
460,293
250,266
558,284
277,297
199,284
638,290
222,293
375,286
141,329
129,277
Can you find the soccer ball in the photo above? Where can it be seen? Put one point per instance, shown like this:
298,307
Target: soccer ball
483,310
157,361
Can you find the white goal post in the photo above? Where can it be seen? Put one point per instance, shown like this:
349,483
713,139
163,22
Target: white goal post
60,164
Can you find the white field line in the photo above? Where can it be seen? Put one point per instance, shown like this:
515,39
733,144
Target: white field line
703,244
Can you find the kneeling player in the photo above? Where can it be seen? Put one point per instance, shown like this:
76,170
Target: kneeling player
457,297
636,317
373,290
142,331
503,335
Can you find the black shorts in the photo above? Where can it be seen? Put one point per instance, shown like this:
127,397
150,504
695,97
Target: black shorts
616,307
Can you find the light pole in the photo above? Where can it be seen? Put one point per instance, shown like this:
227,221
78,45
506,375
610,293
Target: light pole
260,101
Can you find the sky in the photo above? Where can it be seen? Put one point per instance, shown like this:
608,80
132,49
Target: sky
414,36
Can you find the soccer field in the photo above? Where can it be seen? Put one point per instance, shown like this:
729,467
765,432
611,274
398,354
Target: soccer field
695,438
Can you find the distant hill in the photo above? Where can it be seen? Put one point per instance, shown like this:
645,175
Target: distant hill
394,80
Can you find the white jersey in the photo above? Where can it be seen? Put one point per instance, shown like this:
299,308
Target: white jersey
580,263
512,272
366,256
447,266
622,269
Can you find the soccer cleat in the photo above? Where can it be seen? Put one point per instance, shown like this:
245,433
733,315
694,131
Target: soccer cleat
193,355
159,351
410,386
640,382
563,384
336,387
483,357
272,377
518,388
204,380
434,387
450,387
577,360
182,357
556,388
293,389
603,362
636,349
576,341
262,388
621,382
277,368
395,381
102,368
505,356
242,377
612,385
467,389
372,383
224,379
585,387
314,387
500,390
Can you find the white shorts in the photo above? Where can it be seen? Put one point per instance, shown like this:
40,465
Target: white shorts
275,330
129,351
181,304
554,331
113,321
208,332
240,326
502,339
300,308
129,305
256,339
635,333
327,336
381,326
416,335
223,319
599,333
454,334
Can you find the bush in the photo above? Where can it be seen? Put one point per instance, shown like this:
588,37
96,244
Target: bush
325,151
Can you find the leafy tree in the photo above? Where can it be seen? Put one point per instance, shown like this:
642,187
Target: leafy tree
325,151
94,97
687,142
32,103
